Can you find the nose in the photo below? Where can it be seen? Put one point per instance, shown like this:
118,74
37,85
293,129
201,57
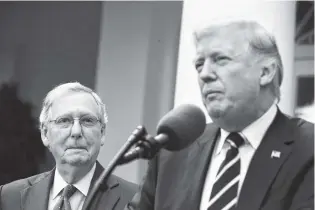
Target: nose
76,130
207,72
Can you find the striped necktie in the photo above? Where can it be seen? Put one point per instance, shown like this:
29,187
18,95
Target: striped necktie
224,191
63,202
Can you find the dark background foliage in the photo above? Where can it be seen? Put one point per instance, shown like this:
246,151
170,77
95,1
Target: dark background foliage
21,148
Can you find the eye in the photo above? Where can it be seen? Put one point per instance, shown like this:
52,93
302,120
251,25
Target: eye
222,60
199,64
88,120
63,120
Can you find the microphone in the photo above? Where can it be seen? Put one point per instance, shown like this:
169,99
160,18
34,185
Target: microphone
176,130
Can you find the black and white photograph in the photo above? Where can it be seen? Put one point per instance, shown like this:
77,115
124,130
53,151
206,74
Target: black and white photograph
157,105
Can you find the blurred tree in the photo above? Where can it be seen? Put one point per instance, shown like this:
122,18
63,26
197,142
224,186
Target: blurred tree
21,148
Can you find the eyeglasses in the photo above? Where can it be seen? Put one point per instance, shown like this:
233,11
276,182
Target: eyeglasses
67,121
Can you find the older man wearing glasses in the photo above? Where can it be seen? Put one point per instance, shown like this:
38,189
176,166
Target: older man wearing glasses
72,123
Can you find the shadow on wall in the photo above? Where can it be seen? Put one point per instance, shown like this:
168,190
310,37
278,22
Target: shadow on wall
21,148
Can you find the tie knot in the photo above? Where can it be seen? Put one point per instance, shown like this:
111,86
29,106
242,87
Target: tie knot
236,139
68,191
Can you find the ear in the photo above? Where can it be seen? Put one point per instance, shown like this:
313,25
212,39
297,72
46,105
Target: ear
43,133
268,72
103,131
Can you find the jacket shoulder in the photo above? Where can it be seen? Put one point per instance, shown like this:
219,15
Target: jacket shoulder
128,187
306,128
13,188
126,190
300,136
303,132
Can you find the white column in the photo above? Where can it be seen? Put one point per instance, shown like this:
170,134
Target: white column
276,16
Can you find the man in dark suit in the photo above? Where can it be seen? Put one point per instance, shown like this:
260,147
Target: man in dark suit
252,156
72,124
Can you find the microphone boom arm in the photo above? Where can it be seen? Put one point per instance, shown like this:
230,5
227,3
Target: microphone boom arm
100,183
146,148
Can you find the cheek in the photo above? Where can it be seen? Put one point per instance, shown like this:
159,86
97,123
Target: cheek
244,87
200,83
57,136
240,84
93,137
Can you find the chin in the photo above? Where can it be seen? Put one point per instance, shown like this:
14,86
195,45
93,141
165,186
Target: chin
77,161
215,114
215,111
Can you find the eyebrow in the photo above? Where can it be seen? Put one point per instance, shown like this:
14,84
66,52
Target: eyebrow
81,114
201,56
198,57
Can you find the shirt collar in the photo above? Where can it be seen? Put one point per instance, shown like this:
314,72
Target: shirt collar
82,185
254,132
223,135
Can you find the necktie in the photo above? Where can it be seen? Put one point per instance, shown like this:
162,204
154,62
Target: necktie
224,191
63,202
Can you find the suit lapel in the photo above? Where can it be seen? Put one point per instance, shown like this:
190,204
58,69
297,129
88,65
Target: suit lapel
36,196
199,161
105,200
263,167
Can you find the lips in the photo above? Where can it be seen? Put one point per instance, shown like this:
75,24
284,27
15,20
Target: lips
210,92
78,148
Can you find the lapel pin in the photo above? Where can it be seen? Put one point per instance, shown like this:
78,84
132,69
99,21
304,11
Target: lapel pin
275,154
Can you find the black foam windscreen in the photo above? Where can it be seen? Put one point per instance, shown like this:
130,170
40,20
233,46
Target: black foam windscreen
183,125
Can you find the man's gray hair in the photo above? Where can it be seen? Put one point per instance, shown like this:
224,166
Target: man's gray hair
66,88
261,43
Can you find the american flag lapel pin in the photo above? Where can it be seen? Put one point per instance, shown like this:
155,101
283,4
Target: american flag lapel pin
275,154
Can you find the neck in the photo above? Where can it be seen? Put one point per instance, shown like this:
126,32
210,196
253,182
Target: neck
72,174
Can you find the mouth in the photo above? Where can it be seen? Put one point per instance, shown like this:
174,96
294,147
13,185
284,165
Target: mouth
212,93
76,148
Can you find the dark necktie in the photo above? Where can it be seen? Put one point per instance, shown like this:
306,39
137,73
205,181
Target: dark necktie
63,202
224,191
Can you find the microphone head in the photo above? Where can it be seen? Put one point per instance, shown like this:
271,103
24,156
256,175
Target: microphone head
183,125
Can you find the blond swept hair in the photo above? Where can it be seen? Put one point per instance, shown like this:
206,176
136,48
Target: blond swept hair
262,44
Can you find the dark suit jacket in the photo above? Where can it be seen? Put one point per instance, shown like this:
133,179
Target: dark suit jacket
174,181
33,193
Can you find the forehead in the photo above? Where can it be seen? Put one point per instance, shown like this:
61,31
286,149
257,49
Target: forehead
75,103
226,40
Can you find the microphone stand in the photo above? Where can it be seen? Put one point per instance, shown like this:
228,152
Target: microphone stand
146,148
100,184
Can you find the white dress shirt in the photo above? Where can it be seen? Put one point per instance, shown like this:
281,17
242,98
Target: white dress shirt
78,198
253,135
